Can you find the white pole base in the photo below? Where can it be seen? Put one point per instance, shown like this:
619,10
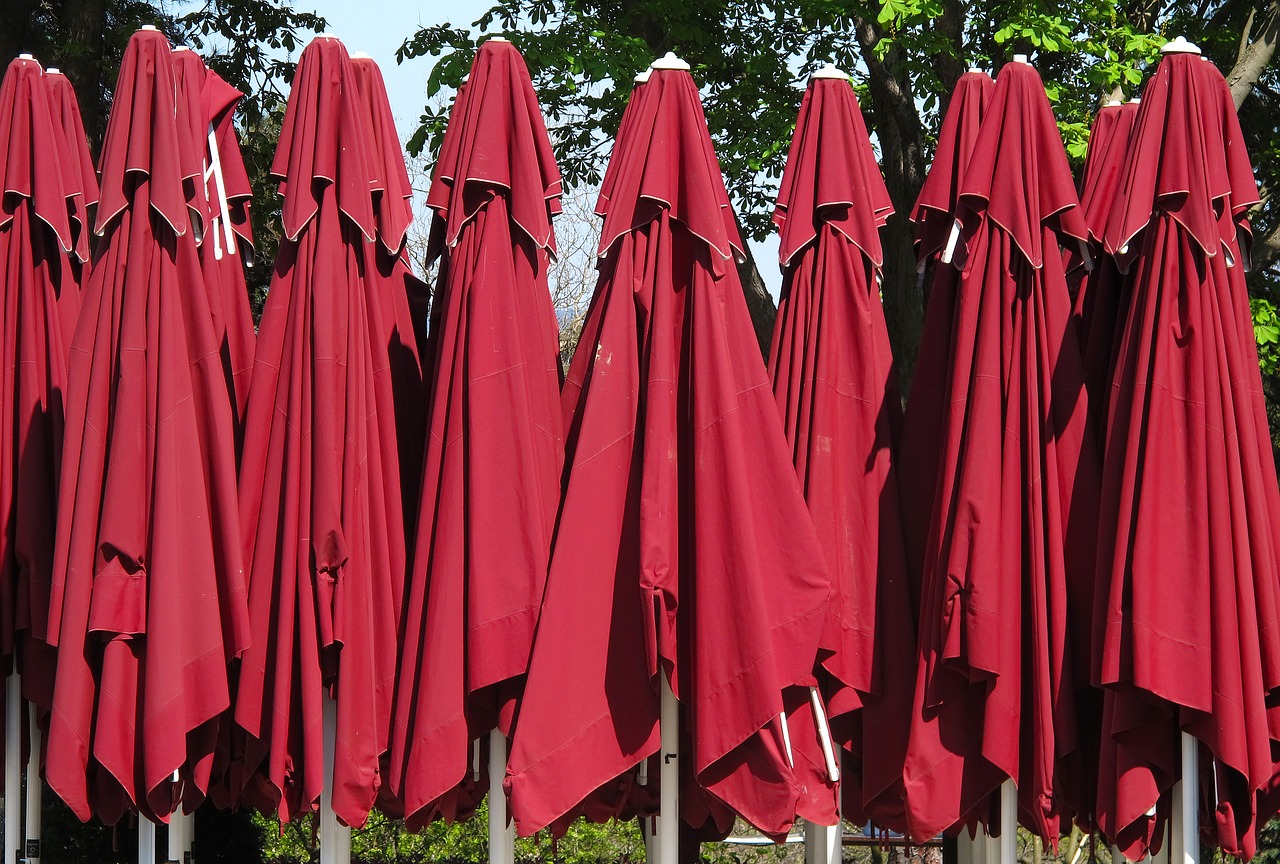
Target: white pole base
502,834
35,790
146,841
13,716
1184,822
823,844
666,829
1008,848
335,839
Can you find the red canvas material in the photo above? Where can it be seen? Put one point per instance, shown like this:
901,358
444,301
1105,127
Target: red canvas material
80,184
933,216
495,448
393,283
1185,626
148,600
37,256
322,513
1009,517
836,388
684,546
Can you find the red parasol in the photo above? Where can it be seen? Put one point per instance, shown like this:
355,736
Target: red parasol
672,435
833,377
36,255
323,515
1187,620
392,280
222,194
148,594
80,183
994,693
495,450
934,216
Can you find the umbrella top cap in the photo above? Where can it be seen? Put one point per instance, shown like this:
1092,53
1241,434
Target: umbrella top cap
669,61
498,39
26,57
1113,103
829,71
642,76
361,55
53,70
148,27
1180,45
1021,58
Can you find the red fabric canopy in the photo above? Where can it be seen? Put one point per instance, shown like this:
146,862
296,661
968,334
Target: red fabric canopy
495,450
1187,622
36,255
148,594
833,377
1008,521
672,437
934,215
322,512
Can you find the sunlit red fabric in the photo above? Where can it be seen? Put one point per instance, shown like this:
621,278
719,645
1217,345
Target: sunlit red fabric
495,447
36,252
1010,522
148,600
1187,621
836,388
672,435
322,515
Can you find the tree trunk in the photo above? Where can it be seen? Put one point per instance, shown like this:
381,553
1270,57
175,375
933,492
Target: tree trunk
897,123
16,36
1259,46
81,60
759,303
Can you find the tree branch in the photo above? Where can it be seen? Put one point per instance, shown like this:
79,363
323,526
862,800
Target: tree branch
1255,54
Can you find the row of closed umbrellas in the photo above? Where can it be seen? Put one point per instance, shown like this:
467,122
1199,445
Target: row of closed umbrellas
347,562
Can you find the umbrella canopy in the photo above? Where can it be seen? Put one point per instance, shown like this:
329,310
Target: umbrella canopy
1098,292
994,693
222,194
934,215
393,284
36,253
672,435
1186,621
833,377
80,183
148,594
495,450
323,519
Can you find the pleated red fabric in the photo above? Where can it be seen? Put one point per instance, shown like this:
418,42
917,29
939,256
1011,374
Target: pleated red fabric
1013,504
684,546
495,450
1187,624
148,599
36,252
833,377
322,514
933,216
393,283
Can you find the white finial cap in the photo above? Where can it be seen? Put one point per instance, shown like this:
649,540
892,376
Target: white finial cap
1020,58
643,76
361,55
326,36
498,39
1113,103
25,56
829,70
148,27
1136,100
975,69
181,48
53,70
465,78
669,61
1180,45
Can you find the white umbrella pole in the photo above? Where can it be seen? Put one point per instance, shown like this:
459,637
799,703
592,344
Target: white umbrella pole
1184,839
146,840
966,848
35,789
335,839
1008,848
12,767
823,844
502,834
667,824
180,835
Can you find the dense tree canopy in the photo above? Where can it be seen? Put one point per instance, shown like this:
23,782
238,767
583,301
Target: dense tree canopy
905,55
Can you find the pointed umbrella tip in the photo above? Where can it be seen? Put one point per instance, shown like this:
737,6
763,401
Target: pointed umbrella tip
1180,45
669,61
829,70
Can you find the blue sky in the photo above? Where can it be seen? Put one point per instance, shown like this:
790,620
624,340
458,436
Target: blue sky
378,28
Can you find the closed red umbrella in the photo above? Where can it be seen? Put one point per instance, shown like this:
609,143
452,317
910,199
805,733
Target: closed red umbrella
80,183
392,281
223,195
1186,621
36,252
494,453
934,216
994,692
148,591
681,511
322,514
833,377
